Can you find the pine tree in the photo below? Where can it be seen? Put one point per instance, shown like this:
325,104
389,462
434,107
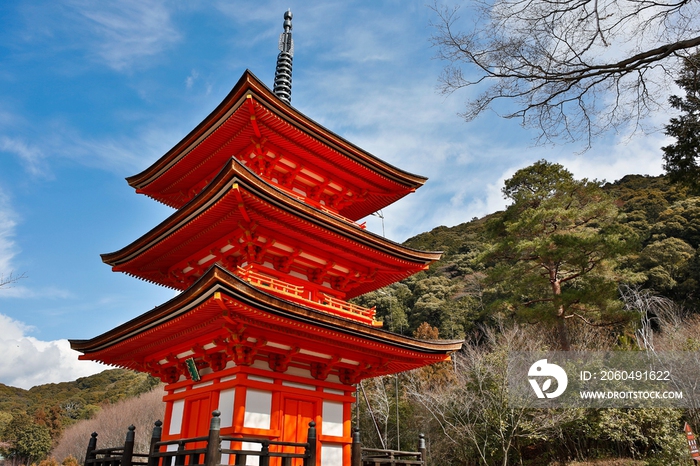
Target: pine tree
554,248
682,158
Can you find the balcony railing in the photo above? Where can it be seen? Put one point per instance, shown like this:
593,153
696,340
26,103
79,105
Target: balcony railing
208,451
299,295
203,451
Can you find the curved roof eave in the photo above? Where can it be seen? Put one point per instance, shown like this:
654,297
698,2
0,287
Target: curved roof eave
249,82
237,172
217,279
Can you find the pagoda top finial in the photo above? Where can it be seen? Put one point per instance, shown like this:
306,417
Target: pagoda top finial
283,73
287,21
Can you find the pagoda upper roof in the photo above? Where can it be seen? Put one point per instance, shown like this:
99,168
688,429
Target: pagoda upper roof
241,217
251,115
221,311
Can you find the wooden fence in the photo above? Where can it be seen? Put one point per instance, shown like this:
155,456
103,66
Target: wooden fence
202,451
376,457
208,451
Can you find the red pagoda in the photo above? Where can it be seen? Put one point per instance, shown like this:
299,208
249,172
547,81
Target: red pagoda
266,250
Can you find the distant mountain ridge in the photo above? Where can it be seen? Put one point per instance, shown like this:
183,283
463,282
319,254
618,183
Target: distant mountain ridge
77,399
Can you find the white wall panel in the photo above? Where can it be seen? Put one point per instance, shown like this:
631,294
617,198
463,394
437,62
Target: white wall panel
332,423
176,417
258,408
331,455
225,457
252,460
226,398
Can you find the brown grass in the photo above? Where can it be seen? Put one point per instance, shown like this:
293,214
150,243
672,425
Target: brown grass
111,424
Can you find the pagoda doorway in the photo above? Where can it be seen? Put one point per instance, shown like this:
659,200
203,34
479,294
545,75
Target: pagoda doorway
298,413
197,414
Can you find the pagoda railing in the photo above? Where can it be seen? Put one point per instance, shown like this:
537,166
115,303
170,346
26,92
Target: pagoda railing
377,457
208,451
115,456
272,284
298,294
203,451
348,308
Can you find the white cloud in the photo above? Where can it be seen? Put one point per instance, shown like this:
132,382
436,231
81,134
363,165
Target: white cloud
27,361
8,247
31,156
642,155
124,33
16,290
116,154
189,82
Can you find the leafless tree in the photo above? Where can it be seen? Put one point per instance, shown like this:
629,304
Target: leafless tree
670,333
111,424
571,69
473,410
655,312
378,404
7,281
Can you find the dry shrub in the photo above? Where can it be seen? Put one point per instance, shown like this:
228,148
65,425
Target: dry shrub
585,337
70,461
681,336
608,462
111,424
471,419
50,461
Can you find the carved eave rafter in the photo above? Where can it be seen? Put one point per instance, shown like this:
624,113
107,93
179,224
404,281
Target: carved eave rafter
282,145
241,219
225,319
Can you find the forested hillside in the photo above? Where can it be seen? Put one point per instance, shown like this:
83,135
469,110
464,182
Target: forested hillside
32,421
661,220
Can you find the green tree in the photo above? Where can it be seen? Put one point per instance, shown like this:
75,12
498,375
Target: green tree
5,419
430,297
681,158
680,220
52,419
665,263
390,304
553,250
26,440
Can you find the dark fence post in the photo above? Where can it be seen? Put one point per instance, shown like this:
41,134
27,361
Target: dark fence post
310,459
213,455
356,454
155,438
92,446
180,455
129,446
422,450
265,453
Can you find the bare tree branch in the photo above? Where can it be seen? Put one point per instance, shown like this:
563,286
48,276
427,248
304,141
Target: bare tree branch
572,69
7,281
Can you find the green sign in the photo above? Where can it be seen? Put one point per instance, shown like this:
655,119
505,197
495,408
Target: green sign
192,369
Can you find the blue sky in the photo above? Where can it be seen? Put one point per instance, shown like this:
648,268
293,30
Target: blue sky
92,92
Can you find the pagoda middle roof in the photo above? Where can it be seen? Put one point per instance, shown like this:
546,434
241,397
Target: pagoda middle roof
220,300
238,210
252,112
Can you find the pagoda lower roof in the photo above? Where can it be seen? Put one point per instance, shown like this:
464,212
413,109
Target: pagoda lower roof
221,311
240,217
251,112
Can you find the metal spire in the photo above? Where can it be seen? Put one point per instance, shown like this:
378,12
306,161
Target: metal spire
283,73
